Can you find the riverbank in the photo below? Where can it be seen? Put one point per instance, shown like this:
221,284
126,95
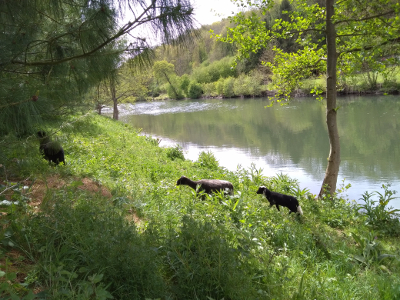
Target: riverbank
356,85
113,223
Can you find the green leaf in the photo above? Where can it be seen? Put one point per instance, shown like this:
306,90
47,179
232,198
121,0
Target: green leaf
96,278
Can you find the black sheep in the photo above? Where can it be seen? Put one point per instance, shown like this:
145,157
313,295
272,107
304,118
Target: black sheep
207,185
280,199
51,150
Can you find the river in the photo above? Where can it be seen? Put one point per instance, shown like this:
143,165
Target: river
290,139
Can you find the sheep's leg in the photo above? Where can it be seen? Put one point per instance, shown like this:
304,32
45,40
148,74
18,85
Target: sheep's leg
277,206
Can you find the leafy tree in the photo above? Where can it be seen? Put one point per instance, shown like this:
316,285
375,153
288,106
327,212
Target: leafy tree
349,28
165,71
53,52
125,83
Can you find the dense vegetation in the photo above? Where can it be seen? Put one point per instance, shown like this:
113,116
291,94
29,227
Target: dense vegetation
139,236
211,62
112,223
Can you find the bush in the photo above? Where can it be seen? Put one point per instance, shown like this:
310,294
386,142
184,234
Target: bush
379,215
207,73
175,153
201,75
220,86
195,90
184,83
208,160
210,89
240,88
175,93
229,84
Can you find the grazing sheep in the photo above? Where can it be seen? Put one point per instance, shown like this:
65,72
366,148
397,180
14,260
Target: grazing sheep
280,199
207,185
51,150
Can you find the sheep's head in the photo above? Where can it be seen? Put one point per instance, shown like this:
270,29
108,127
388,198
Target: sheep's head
182,180
41,134
261,190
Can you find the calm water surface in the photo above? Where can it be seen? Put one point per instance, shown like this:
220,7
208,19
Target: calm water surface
288,139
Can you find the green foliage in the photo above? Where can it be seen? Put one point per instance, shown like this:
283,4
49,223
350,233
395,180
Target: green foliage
209,89
220,86
208,160
371,250
304,22
248,85
53,57
73,247
163,70
175,153
81,245
195,90
227,88
211,72
174,93
185,83
204,266
379,215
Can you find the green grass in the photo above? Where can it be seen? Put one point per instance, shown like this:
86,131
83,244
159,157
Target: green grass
82,245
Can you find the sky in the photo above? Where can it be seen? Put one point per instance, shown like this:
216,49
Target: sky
206,10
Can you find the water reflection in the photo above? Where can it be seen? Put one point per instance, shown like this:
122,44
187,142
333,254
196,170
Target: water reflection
290,139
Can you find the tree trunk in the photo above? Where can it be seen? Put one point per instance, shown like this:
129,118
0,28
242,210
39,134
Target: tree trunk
172,86
332,170
99,107
114,99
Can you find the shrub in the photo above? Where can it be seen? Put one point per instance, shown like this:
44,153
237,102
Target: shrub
379,215
210,89
174,92
208,160
228,86
184,83
212,72
195,90
175,153
220,86
240,88
201,75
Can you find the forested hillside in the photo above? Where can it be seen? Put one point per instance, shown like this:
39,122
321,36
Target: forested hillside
205,64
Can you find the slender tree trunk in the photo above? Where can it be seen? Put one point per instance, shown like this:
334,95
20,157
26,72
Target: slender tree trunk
114,99
332,170
172,86
99,107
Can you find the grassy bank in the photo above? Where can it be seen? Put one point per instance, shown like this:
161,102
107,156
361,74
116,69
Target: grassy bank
113,224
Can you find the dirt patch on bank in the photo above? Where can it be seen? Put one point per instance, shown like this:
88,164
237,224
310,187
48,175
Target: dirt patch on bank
35,190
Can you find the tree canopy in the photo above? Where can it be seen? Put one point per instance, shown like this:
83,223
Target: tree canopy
52,52
349,31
